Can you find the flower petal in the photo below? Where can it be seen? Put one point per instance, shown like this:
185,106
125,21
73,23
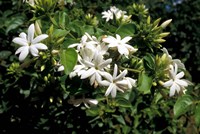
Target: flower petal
179,75
122,50
105,63
40,46
181,83
20,41
33,50
88,73
121,75
23,35
110,88
114,91
126,39
31,31
24,53
172,90
168,83
39,38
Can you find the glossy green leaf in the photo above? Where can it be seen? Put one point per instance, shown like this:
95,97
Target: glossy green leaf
69,59
197,115
144,83
122,102
182,105
126,30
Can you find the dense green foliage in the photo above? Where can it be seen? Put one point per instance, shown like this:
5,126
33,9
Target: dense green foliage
35,97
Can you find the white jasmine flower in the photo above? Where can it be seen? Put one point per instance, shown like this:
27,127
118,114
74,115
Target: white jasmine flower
95,68
29,43
108,15
175,83
116,82
174,61
86,101
86,41
120,44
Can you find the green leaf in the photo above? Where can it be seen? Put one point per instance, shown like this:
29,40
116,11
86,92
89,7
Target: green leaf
145,83
14,23
5,54
57,33
197,115
69,59
126,30
182,105
149,62
122,102
89,29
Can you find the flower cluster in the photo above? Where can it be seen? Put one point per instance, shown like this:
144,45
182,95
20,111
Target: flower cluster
94,63
119,14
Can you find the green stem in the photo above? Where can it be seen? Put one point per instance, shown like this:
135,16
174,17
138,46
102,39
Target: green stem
130,69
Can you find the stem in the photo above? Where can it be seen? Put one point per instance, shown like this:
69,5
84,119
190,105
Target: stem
130,69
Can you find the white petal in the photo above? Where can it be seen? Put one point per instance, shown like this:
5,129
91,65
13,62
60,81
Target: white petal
121,75
104,83
107,76
105,63
181,82
92,101
61,68
114,91
115,71
33,50
23,35
20,41
123,50
24,53
172,90
179,75
110,88
118,37
122,83
126,39
19,50
98,77
92,79
88,73
39,38
40,46
109,39
168,83
31,31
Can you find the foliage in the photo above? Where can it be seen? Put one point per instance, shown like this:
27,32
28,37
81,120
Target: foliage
37,97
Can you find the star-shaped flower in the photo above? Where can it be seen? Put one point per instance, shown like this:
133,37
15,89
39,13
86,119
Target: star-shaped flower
120,44
29,43
175,83
117,82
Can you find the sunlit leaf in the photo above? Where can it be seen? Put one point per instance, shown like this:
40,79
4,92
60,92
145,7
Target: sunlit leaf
182,105
68,59
144,83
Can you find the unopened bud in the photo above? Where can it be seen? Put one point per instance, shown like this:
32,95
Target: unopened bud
164,34
159,40
60,40
166,23
55,51
37,28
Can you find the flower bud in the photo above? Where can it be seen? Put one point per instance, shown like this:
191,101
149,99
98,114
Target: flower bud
37,28
159,40
162,35
166,23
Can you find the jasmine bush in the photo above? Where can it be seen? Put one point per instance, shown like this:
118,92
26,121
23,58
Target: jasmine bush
84,66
